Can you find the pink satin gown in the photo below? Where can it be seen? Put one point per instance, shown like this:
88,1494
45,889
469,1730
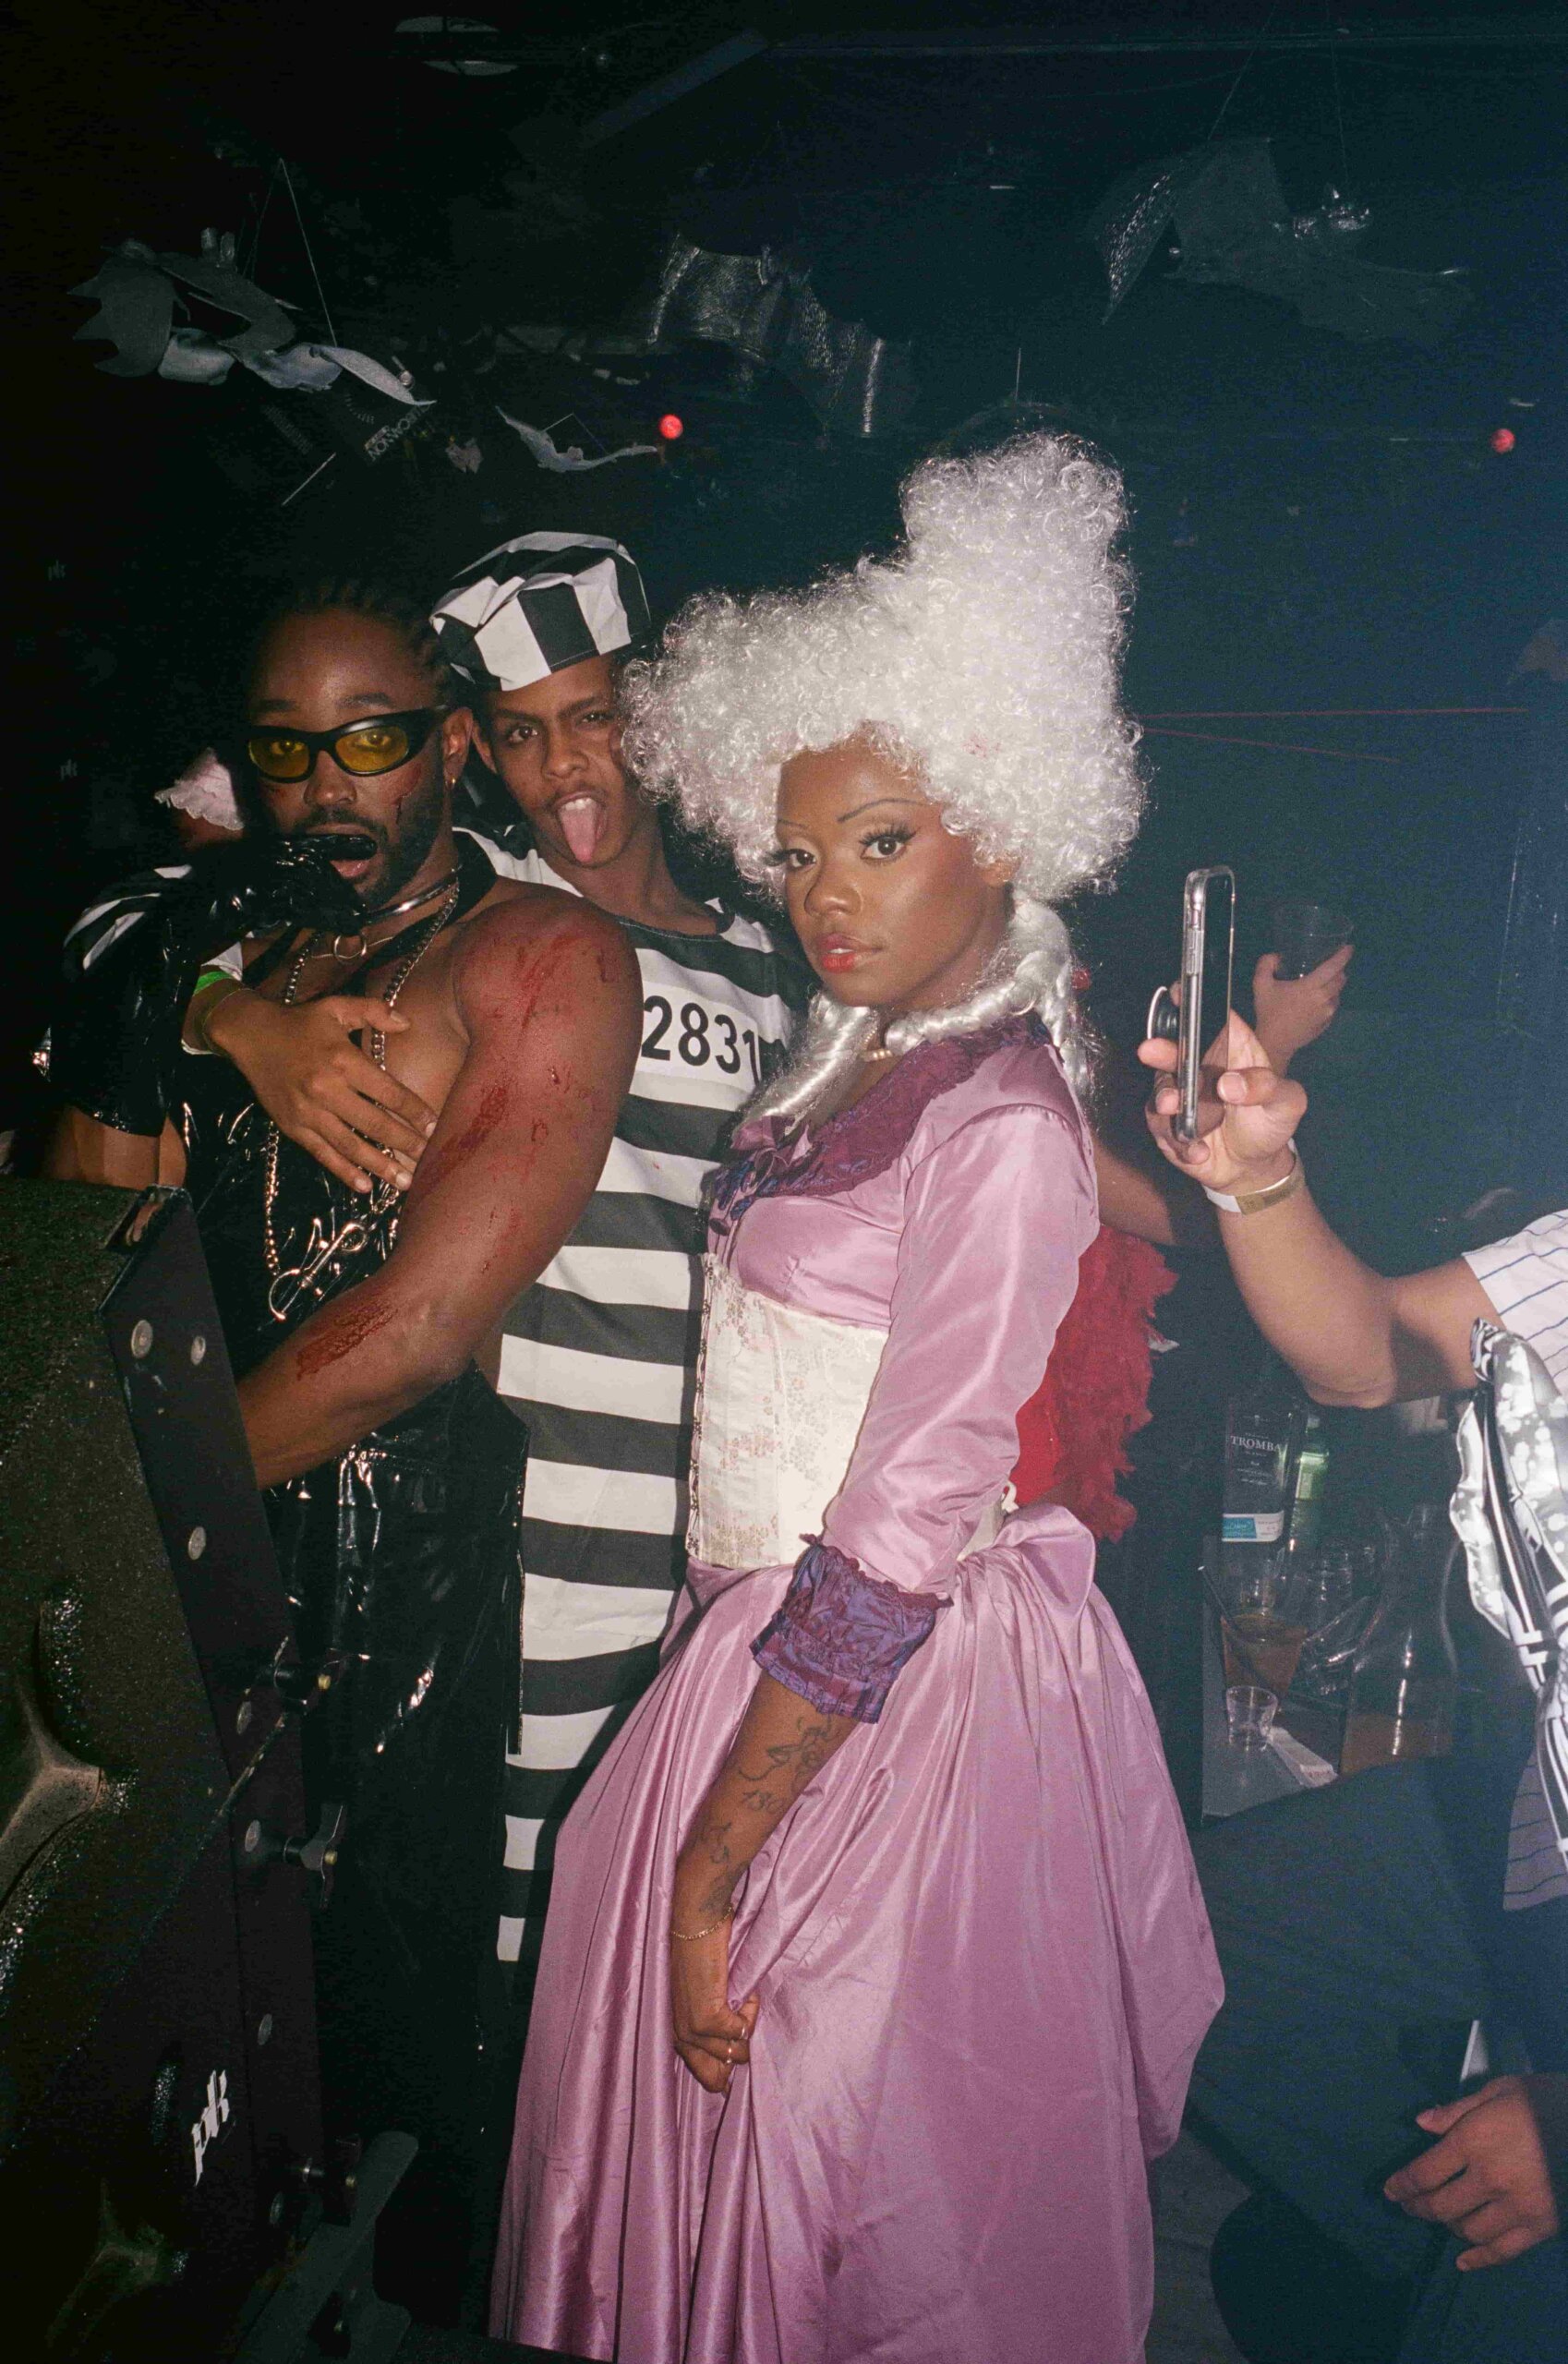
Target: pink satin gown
983,1960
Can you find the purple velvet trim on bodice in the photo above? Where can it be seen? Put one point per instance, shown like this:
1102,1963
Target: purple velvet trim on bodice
860,1141
841,1637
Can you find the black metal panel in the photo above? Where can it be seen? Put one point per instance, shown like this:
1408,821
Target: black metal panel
158,2078
92,1641
168,1349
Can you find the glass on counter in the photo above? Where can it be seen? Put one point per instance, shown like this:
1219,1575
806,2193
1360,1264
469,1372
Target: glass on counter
1249,1714
1404,1686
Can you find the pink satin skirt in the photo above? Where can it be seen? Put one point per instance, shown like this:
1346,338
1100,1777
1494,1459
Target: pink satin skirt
985,1969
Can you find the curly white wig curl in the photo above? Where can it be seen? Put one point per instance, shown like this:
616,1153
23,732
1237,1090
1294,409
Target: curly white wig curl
983,655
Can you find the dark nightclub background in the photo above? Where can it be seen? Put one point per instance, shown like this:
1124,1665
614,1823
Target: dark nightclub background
1328,546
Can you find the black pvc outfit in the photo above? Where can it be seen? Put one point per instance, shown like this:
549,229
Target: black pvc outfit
402,1560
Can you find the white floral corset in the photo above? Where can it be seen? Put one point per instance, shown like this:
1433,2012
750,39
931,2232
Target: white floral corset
780,1397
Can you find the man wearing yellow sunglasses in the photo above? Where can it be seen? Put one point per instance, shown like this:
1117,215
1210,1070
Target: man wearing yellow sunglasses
360,1324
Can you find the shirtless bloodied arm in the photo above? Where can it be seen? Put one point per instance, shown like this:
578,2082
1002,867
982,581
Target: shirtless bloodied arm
550,1006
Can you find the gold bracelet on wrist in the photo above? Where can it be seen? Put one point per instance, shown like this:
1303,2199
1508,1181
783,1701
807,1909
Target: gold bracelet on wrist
1273,1194
690,1937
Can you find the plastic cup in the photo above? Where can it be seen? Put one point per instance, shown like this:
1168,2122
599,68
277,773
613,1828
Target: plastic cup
1306,934
1250,1712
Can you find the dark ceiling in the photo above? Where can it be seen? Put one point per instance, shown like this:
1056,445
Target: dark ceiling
820,136
1319,522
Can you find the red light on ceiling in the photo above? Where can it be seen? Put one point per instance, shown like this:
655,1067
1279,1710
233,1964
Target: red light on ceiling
673,429
1502,439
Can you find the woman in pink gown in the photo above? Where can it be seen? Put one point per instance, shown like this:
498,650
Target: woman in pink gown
875,1964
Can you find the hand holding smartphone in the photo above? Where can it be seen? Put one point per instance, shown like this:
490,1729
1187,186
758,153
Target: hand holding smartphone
1199,1018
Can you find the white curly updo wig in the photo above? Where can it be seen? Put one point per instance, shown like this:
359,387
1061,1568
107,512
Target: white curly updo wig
982,656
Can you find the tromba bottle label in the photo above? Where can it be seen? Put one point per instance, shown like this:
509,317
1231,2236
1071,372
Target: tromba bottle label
1260,1435
1251,1526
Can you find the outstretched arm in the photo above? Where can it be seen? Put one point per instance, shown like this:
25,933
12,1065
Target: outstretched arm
1137,1192
1350,1336
552,1013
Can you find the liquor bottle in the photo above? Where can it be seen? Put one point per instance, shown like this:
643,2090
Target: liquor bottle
1262,1435
1311,1484
1405,1685
1262,1430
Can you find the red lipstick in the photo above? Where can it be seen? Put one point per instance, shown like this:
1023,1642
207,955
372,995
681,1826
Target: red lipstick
837,953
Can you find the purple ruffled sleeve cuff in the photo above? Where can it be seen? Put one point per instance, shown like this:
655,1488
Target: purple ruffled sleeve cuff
841,1637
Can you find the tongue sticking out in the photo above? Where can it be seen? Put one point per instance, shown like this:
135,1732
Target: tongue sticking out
581,823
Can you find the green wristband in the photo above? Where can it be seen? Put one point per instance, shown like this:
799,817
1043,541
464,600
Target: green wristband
193,1034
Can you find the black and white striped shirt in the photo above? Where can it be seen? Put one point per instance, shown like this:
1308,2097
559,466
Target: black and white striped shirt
598,1358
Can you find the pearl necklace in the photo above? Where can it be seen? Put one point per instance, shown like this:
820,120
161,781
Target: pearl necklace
883,1051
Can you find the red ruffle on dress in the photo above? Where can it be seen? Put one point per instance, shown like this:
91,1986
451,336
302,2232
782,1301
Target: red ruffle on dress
1073,1433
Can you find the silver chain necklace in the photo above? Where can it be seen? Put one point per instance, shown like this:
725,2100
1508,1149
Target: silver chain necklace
324,1249
355,937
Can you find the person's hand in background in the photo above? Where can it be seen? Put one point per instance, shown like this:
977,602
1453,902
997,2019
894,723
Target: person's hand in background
1489,2177
1294,1011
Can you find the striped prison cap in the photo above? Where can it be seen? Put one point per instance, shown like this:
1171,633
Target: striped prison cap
540,604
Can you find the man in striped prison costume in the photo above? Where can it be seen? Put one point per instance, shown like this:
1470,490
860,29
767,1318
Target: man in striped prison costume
598,1356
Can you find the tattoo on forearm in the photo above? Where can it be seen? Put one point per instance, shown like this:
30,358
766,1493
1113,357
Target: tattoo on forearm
716,1897
816,1744
759,1791
785,1768
713,1839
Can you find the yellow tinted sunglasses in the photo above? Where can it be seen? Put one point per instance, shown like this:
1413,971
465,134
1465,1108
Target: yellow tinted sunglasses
378,745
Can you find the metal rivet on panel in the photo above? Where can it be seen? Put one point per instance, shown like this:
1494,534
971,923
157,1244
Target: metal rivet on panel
198,1349
196,1542
141,1340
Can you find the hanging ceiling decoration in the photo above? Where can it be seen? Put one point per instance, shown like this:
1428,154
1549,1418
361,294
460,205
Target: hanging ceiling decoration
228,318
1233,229
766,310
447,45
573,460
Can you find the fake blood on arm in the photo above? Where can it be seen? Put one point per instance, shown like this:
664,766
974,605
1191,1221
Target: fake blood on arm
346,1331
